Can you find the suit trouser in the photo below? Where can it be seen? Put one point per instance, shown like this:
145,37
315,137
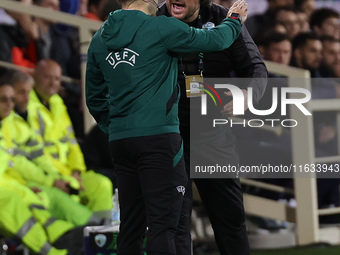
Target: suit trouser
151,177
223,200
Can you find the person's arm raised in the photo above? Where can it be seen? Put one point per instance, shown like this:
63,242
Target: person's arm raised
179,37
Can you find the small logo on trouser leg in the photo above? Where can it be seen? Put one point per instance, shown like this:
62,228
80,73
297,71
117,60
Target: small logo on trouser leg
100,240
181,189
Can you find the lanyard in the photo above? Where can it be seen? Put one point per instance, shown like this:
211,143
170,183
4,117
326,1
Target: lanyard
200,55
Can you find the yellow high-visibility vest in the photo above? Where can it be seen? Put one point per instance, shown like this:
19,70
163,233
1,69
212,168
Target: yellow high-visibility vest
19,167
55,127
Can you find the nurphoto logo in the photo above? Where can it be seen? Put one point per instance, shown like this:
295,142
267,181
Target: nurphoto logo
239,103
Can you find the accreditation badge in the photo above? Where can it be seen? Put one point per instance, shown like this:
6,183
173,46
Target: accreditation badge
194,85
208,25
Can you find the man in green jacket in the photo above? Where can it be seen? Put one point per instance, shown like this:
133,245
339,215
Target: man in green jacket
131,91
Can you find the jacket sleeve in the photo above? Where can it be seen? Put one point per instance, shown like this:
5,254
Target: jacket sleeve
34,150
96,92
4,156
24,167
31,172
35,153
179,37
248,63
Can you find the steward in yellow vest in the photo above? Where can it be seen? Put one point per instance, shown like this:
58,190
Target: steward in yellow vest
48,116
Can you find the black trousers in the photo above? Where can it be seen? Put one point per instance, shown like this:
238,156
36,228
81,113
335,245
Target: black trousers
223,200
151,178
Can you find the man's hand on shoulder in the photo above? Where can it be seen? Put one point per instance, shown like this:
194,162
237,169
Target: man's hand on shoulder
239,7
228,108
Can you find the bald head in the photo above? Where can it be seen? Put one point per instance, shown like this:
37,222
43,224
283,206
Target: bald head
47,75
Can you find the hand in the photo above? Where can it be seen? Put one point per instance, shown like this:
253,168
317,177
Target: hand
62,185
36,190
228,108
30,27
240,7
77,174
327,134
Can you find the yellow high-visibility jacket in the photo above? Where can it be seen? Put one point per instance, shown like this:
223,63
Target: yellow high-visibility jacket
16,215
24,141
19,167
4,155
17,219
55,127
